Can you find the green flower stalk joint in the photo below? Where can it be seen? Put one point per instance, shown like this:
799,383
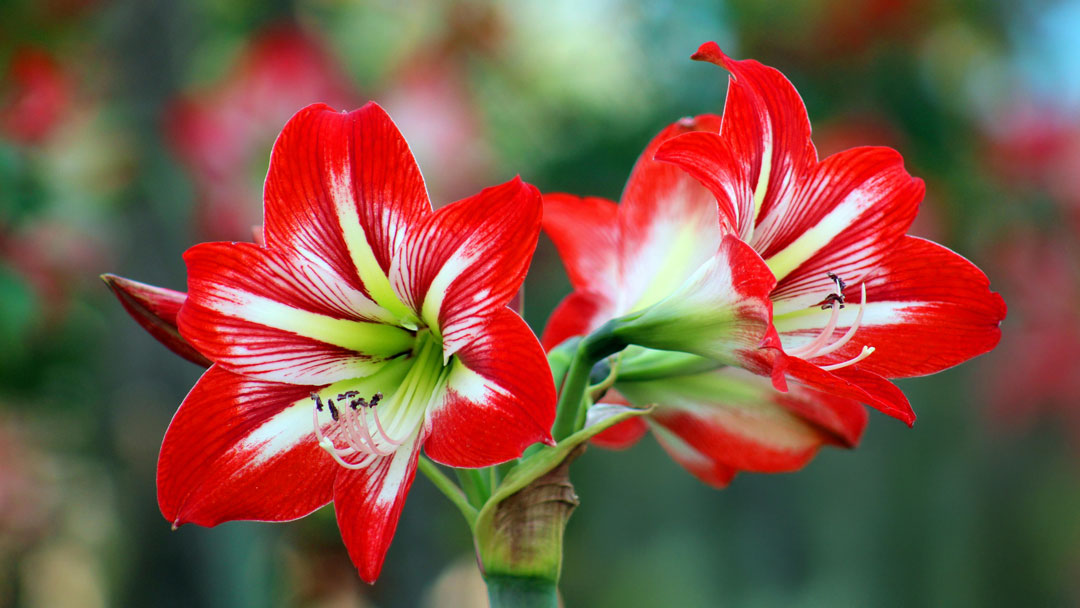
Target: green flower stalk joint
742,303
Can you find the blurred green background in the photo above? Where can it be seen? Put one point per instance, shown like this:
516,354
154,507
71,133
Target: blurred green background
132,129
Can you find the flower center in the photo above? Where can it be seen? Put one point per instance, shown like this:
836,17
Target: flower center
820,346
362,428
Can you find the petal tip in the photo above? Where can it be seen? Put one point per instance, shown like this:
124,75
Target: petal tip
710,51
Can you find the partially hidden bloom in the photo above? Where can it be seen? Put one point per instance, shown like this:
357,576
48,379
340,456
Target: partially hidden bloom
35,97
364,327
759,263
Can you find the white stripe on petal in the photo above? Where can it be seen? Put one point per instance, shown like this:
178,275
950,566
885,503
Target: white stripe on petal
367,338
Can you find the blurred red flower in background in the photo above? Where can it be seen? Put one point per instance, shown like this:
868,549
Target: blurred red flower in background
222,132
35,96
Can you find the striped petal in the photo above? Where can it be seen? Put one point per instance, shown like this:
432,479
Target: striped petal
927,309
261,313
465,262
669,224
766,127
585,231
844,219
856,384
240,448
342,191
368,502
498,398
155,309
738,420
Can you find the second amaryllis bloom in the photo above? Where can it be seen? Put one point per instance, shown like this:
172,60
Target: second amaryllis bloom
776,262
365,327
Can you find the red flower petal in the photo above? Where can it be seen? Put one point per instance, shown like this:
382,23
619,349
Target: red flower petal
928,309
766,126
585,230
155,309
578,314
661,195
240,448
499,398
342,190
706,469
467,260
622,435
739,420
261,313
844,218
853,383
368,504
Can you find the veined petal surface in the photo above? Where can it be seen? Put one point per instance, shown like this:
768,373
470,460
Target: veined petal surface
265,314
498,399
241,448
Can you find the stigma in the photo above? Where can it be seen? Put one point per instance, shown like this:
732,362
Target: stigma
361,437
820,345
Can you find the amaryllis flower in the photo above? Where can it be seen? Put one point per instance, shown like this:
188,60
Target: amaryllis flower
366,327
807,257
222,132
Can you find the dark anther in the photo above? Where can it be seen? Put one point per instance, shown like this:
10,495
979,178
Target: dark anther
840,284
832,299
375,399
333,410
355,403
317,400
347,395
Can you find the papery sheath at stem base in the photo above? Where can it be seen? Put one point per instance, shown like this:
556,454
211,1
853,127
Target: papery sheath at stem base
520,553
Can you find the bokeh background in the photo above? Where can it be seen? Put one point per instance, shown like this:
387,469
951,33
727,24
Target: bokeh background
132,129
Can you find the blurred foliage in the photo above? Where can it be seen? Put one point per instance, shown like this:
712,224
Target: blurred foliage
975,506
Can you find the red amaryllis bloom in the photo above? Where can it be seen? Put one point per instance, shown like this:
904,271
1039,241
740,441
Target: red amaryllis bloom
221,133
849,298
366,327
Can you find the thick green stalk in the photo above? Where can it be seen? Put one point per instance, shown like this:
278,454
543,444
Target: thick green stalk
515,592
597,345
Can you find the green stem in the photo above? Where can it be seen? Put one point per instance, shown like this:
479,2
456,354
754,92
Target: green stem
593,348
474,483
517,592
448,488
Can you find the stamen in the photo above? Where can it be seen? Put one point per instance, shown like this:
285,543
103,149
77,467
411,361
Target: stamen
808,350
866,352
378,424
851,330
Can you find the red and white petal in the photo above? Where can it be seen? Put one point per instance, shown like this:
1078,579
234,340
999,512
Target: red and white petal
707,470
466,261
585,231
368,502
155,309
927,309
845,217
342,191
767,129
721,312
578,314
262,313
709,159
621,436
857,384
240,448
498,399
737,419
